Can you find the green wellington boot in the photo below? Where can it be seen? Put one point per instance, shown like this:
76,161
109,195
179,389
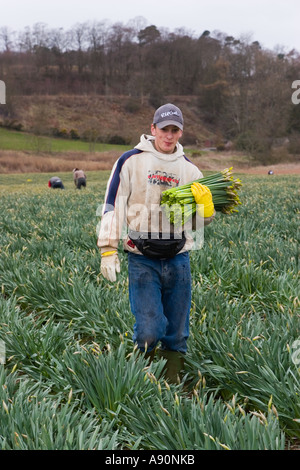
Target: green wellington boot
150,355
174,365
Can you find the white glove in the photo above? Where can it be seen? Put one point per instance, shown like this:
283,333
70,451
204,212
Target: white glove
110,265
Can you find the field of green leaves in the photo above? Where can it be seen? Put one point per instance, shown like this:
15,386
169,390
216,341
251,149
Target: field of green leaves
71,377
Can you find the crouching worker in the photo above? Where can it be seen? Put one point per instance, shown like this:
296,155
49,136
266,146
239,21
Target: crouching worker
158,260
55,182
79,178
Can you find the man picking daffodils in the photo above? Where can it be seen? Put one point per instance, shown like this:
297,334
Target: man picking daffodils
158,255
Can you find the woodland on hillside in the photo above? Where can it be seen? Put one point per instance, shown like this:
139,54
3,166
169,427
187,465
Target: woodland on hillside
243,91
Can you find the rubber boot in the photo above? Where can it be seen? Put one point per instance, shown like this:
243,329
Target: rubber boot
150,355
174,365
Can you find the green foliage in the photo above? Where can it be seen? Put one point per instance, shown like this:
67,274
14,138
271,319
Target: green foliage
174,422
73,378
253,144
12,140
117,140
74,134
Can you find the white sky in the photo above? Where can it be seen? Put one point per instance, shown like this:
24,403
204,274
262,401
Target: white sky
271,22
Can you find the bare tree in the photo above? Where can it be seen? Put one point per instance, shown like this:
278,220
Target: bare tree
7,37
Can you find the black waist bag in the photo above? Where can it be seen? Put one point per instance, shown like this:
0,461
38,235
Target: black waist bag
157,247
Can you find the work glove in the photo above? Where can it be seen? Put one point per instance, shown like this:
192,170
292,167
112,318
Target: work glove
203,199
110,265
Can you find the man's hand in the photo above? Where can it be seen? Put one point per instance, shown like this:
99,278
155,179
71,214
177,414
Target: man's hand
110,265
203,199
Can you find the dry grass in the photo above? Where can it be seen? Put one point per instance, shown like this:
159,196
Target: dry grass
107,114
23,162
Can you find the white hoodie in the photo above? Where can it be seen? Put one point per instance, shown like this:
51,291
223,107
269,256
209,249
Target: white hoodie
134,190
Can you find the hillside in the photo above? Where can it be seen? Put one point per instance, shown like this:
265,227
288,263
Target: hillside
60,132
102,117
103,85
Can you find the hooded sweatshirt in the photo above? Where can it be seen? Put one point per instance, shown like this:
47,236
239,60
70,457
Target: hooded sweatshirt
78,174
133,193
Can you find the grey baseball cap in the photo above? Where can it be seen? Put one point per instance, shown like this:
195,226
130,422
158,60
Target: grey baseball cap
168,115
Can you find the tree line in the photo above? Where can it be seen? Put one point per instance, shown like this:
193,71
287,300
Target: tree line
242,89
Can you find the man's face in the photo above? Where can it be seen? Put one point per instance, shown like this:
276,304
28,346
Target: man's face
166,138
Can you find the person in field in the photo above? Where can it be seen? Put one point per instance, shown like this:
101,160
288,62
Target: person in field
79,177
158,254
55,183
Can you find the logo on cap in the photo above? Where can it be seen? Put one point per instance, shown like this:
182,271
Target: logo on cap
167,115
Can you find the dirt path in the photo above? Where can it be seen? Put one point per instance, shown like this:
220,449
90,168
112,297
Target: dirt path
216,161
280,169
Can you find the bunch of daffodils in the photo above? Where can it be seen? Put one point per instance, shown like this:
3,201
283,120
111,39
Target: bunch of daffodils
179,203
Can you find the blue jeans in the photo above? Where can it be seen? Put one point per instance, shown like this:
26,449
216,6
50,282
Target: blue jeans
160,300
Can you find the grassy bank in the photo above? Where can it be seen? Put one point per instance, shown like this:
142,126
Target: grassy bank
13,140
24,153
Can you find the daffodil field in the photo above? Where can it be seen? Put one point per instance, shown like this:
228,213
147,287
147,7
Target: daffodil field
70,376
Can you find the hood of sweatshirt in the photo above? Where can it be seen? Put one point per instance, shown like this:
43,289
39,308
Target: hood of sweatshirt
146,144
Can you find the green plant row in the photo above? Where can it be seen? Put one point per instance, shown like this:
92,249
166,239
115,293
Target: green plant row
72,378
